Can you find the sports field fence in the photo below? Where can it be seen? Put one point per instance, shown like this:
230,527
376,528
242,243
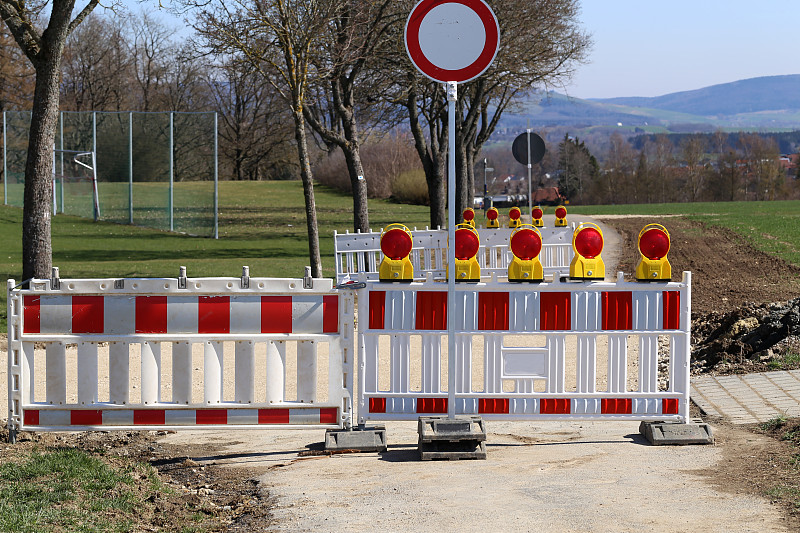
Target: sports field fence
152,169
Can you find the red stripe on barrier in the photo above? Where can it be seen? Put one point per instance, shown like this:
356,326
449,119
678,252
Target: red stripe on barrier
213,314
493,406
431,310
151,314
377,309
211,416
86,418
273,416
330,314
493,311
616,406
672,310
329,415
670,406
431,405
276,314
555,311
555,406
617,310
147,417
31,314
30,418
377,405
87,314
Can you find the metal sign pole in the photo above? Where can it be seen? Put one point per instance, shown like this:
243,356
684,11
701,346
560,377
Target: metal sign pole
530,191
452,92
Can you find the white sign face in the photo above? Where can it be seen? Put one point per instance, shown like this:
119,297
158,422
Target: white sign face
451,36
452,40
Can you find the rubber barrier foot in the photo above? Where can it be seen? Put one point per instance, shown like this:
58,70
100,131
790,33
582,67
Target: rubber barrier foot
451,438
671,433
363,439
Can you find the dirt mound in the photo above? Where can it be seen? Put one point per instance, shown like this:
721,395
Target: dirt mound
727,272
753,338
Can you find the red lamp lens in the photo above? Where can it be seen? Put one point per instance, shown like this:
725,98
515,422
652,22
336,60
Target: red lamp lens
467,244
396,244
537,213
589,243
526,244
515,213
491,214
469,214
654,243
561,212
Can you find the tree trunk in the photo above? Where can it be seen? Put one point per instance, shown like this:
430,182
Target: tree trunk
308,191
37,251
352,157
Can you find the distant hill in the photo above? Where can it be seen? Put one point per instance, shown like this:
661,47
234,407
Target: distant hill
769,93
766,103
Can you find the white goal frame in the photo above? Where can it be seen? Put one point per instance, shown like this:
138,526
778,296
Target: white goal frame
92,166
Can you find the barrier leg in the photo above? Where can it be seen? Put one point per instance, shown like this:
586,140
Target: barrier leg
276,371
119,363
182,372
56,361
245,368
151,372
212,372
307,371
87,373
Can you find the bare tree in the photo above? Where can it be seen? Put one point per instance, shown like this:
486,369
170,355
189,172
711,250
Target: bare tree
253,122
44,49
278,37
693,149
348,88
96,67
151,49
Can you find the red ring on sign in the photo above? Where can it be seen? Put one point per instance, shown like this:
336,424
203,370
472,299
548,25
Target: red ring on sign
467,73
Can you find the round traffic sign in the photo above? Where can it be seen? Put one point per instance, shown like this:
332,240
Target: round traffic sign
519,149
452,40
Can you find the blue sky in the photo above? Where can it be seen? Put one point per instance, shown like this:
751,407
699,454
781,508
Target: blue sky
655,47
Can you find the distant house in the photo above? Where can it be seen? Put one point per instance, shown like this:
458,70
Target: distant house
547,196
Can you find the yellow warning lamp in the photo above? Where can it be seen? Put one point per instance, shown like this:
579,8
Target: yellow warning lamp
514,215
526,243
469,216
561,216
587,242
492,215
537,215
654,246
467,244
396,244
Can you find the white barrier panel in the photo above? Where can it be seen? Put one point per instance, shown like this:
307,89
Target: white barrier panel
358,253
587,350
170,353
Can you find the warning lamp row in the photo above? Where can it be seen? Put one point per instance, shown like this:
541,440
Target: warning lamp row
526,245
515,216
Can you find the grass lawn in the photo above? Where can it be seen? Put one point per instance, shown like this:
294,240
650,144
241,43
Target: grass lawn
262,225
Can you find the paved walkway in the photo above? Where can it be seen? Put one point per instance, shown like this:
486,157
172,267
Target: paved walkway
749,398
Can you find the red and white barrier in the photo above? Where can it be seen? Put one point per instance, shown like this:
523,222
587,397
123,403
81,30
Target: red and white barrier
526,335
124,329
360,254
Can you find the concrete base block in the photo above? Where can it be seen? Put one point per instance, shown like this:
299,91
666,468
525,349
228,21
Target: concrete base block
451,438
670,433
363,439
